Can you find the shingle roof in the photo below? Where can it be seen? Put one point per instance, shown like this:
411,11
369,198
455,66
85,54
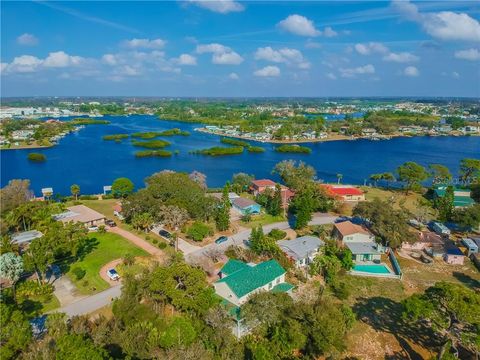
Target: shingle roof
358,248
232,266
301,247
348,228
263,182
243,203
243,282
79,213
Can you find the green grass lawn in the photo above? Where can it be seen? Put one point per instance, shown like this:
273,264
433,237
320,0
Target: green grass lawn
105,248
263,219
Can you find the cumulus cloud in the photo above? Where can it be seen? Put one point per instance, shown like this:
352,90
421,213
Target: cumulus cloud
329,32
360,70
219,6
371,48
268,71
29,63
285,55
61,59
331,76
23,64
455,75
468,54
233,76
221,54
402,57
27,39
299,25
411,71
313,45
444,25
186,59
145,43
109,59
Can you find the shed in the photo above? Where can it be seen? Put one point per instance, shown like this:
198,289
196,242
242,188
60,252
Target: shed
471,246
453,255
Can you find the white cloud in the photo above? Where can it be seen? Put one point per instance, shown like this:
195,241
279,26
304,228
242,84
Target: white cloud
27,39
145,43
444,25
268,71
109,59
233,76
329,32
128,70
222,55
299,25
402,57
371,48
313,45
455,75
360,70
285,55
469,54
3,66
331,76
23,64
411,71
61,59
219,6
186,59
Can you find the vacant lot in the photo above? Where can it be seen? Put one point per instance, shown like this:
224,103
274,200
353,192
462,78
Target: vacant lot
102,248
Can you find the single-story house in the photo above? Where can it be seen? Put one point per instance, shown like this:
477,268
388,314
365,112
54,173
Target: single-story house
301,250
453,255
82,214
461,196
424,239
24,238
472,247
347,232
238,280
365,251
344,192
246,206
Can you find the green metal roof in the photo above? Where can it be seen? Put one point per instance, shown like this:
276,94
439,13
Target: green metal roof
250,278
462,201
232,266
283,287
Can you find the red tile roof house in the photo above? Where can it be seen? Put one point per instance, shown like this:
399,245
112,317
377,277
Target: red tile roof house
257,187
344,192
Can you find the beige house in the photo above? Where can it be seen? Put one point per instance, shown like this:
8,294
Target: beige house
82,214
347,232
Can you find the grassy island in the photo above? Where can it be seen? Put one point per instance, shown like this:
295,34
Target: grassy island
153,153
116,137
256,149
174,131
219,151
86,121
152,144
36,157
293,149
235,142
146,135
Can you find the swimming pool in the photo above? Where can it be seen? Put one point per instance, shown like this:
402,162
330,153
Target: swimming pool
372,269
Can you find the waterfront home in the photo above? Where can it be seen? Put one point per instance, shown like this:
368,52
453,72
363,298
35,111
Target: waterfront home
245,206
365,251
23,239
81,214
347,232
344,192
424,240
240,280
461,195
453,255
302,250
257,187
443,129
369,132
472,247
470,129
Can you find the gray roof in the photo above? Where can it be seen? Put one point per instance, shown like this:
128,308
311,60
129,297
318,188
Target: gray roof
301,247
367,247
26,236
243,203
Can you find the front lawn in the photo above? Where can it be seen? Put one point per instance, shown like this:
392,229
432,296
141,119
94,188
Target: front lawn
263,219
105,247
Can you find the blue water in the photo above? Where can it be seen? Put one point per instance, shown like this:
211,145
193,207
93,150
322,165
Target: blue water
373,269
85,159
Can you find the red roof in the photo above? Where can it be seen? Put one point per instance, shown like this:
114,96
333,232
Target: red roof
343,190
263,182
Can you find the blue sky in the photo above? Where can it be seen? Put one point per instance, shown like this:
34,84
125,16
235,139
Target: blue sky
229,48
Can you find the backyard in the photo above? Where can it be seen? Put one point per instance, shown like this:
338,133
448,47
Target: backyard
103,248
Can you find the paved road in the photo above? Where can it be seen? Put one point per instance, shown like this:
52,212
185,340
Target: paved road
237,239
91,303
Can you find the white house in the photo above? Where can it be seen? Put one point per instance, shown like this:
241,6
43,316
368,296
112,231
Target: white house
301,250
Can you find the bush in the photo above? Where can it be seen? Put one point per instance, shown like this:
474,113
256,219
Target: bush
128,259
33,289
199,231
79,273
341,290
102,229
162,245
148,238
277,234
88,197
155,241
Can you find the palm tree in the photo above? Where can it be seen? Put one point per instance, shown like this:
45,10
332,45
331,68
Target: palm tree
375,178
339,178
75,190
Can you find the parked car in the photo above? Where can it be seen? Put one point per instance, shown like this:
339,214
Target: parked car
113,275
221,239
110,223
165,234
246,243
93,228
341,219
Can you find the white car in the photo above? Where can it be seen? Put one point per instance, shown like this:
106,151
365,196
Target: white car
93,228
113,275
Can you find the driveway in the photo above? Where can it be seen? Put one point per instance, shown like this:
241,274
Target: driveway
238,239
65,291
91,303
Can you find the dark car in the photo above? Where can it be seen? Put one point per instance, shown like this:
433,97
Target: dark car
221,239
111,223
165,234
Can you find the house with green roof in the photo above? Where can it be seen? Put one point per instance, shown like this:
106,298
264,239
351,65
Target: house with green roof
239,280
461,195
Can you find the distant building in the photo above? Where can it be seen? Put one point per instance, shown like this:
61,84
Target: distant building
301,250
82,214
344,192
461,196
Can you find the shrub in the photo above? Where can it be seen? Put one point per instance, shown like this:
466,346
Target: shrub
128,259
102,229
277,234
341,290
88,197
155,241
199,231
33,289
147,237
162,245
79,273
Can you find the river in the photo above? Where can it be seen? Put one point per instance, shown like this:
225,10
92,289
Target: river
85,159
